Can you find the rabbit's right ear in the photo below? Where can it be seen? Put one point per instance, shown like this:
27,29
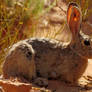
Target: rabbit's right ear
74,18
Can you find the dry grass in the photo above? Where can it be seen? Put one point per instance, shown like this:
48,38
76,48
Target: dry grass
14,17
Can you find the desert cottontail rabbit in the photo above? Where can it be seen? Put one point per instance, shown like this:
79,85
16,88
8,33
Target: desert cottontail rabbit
50,59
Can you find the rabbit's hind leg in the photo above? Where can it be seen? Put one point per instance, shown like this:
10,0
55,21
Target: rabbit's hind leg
19,61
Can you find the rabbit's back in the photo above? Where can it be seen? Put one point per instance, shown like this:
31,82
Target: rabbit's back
56,60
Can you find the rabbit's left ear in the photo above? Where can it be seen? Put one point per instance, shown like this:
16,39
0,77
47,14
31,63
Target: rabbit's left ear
74,18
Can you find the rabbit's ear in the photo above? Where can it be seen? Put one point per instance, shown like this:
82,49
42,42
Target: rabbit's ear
74,18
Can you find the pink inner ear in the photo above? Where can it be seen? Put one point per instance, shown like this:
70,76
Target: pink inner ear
73,19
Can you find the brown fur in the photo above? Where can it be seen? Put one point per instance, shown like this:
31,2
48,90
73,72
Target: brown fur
41,57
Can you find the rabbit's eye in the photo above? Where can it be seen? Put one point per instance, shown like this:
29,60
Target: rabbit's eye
87,42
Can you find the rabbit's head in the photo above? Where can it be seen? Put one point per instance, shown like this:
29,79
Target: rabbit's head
81,43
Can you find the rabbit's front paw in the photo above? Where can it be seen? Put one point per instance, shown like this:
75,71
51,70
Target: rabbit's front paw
42,82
